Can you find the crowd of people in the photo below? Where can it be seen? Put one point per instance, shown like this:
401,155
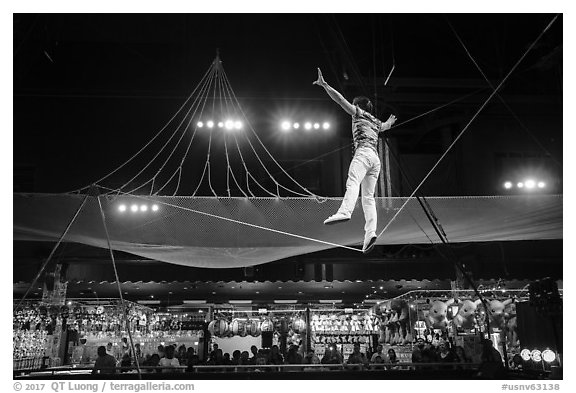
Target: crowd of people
170,358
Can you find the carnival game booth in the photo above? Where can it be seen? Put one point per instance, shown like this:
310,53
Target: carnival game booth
463,319
52,336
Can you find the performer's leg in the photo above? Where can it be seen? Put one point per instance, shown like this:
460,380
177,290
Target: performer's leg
356,172
369,204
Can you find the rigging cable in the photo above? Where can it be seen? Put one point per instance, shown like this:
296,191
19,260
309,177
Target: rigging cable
469,123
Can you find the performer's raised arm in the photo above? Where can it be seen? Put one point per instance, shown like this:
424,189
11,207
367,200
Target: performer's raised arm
334,94
388,123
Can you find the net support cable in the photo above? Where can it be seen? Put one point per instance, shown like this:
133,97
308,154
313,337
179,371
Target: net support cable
167,142
147,198
43,266
467,125
148,143
124,309
520,122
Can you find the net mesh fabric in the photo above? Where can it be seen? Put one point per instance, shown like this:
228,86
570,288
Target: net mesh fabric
199,231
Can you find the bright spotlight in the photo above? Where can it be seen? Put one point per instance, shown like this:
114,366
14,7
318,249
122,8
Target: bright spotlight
308,125
154,208
325,125
520,185
508,185
220,124
530,184
525,354
541,184
285,125
122,208
229,124
296,126
238,124
210,124
316,126
143,208
548,356
200,124
536,355
134,208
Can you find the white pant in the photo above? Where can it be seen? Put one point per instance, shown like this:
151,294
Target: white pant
364,171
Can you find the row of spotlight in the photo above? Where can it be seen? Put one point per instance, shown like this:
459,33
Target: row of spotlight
527,184
134,208
227,124
287,125
536,355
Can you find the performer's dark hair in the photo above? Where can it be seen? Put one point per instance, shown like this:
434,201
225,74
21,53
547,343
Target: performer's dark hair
363,103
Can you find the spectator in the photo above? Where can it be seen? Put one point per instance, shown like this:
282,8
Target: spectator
161,351
311,358
110,350
275,356
125,347
378,353
212,354
461,355
417,351
236,357
105,363
492,366
331,356
377,363
125,362
445,354
192,360
357,358
254,351
169,361
227,361
293,357
181,353
244,358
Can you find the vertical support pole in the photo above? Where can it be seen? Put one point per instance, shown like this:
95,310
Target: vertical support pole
118,284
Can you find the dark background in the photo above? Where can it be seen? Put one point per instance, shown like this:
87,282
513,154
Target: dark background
90,90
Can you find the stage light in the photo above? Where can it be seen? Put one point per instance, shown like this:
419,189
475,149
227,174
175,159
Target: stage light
548,356
200,124
229,124
122,208
308,125
220,124
325,125
316,126
508,185
210,124
296,126
285,125
525,354
520,185
536,355
134,208
144,208
530,183
238,124
541,184
154,208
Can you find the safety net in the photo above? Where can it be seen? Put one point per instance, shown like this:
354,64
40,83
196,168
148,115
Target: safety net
238,232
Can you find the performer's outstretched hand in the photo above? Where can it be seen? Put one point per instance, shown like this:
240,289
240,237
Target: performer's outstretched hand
391,120
320,81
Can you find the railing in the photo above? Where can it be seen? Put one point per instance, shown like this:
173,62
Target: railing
269,368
